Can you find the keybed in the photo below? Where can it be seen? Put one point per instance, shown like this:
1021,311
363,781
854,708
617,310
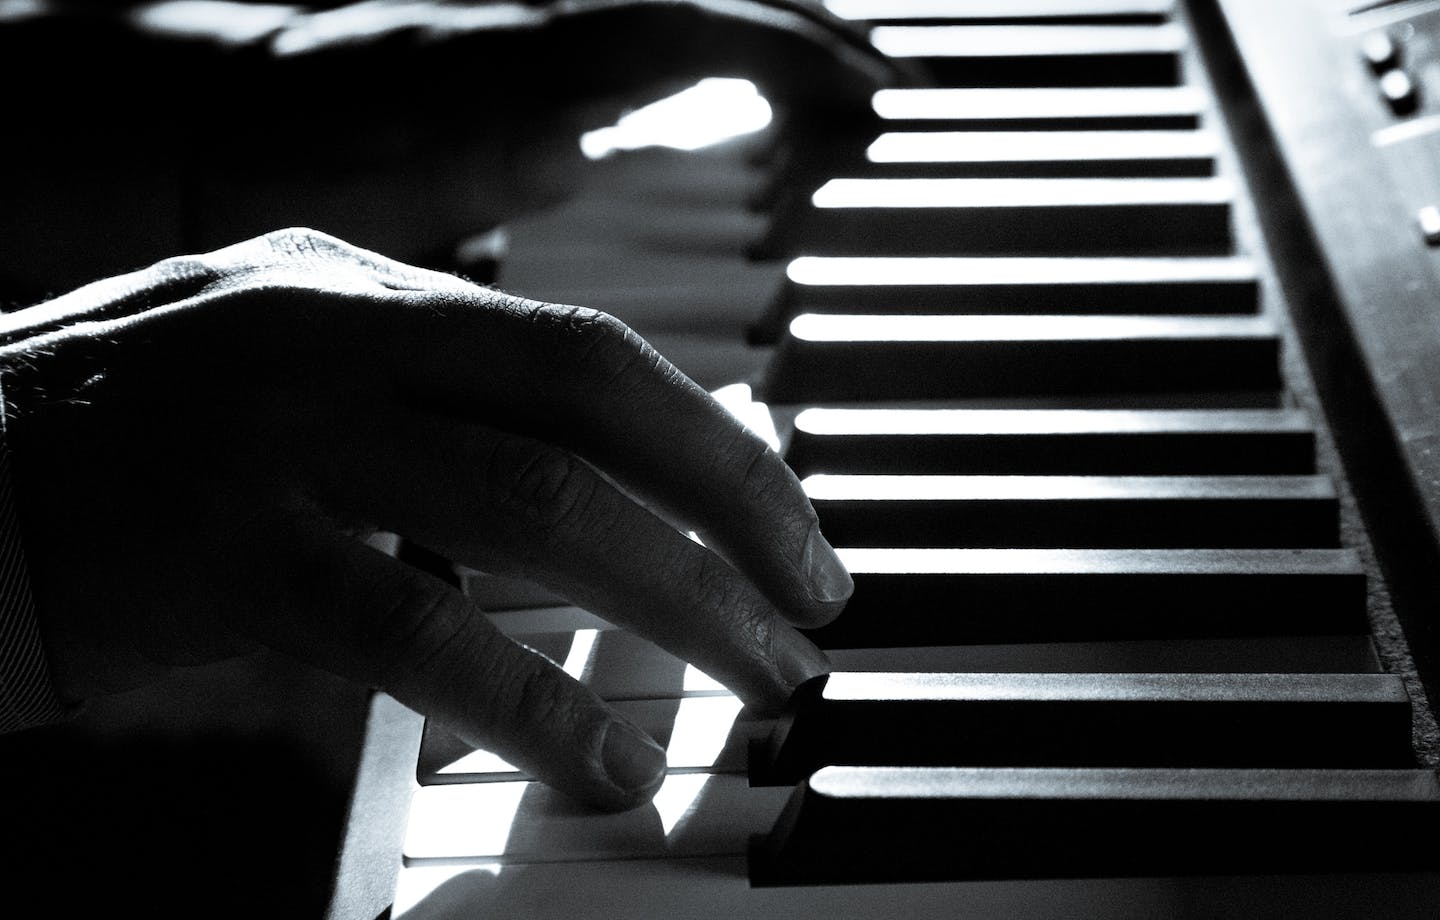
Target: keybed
1109,653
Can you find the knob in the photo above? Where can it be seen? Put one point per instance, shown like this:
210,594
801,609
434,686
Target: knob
1399,92
1380,51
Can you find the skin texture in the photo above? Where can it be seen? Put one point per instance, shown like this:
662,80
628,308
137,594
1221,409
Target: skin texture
202,447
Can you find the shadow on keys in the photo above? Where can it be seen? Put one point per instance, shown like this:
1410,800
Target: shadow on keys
481,837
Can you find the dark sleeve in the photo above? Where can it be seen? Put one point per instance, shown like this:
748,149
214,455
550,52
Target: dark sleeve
27,696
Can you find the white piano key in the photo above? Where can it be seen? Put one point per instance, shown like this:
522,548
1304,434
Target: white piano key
693,814
699,733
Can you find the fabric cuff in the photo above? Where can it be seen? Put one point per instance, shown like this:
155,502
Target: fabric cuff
27,694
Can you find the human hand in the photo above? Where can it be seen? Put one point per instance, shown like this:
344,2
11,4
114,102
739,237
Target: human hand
201,448
401,125
548,53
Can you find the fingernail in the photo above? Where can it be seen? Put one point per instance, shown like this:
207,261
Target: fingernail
632,760
798,658
828,580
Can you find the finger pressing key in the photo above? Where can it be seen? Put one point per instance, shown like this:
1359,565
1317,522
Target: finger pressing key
511,505
362,614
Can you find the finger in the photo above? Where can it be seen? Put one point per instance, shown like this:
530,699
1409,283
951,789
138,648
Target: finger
343,606
515,506
585,381
797,56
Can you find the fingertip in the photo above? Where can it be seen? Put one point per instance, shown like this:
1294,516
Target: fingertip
826,578
798,659
633,763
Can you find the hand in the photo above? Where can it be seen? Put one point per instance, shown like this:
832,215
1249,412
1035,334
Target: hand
552,53
201,448
400,125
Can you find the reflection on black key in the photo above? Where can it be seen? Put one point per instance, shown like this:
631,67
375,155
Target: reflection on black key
1039,55
1141,108
1094,720
1020,285
999,154
937,217
1011,285
880,358
856,824
1077,511
1049,11
923,597
1052,441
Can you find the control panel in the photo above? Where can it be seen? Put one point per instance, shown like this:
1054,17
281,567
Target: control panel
1398,43
1339,104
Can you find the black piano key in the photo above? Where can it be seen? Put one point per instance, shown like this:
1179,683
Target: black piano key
859,825
886,358
1087,512
1088,720
795,171
1039,55
910,285
1039,109
1003,11
1342,654
954,216
1016,155
995,155
1061,154
1052,441
921,597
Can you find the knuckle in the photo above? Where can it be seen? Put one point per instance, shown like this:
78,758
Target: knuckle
720,588
185,269
414,634
302,242
279,262
597,349
537,695
765,482
547,487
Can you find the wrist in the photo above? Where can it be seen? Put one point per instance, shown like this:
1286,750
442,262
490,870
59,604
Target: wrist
27,693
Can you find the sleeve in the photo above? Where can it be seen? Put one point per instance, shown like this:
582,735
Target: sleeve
27,696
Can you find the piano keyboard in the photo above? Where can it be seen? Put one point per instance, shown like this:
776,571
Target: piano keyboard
1110,651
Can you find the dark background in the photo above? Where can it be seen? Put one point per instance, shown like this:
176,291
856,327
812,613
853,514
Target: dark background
220,793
